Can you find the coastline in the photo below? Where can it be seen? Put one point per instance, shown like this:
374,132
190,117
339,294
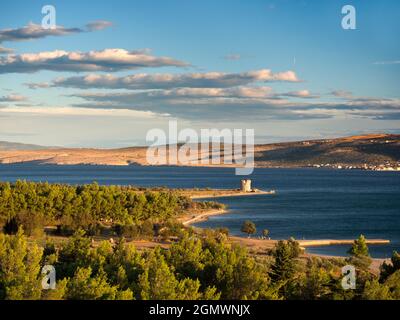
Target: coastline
229,193
193,217
259,246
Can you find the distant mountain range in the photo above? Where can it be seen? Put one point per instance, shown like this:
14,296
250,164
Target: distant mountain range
4,145
366,151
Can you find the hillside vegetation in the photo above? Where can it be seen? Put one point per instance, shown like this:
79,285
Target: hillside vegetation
95,209
197,267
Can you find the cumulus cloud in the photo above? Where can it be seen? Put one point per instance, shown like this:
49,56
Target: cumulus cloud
214,104
245,103
5,50
110,60
12,98
169,81
179,95
267,75
35,31
374,103
38,85
377,115
352,101
300,94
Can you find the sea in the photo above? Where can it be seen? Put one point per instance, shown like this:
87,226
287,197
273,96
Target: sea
309,203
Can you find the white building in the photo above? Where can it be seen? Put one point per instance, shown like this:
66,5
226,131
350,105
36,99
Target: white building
246,185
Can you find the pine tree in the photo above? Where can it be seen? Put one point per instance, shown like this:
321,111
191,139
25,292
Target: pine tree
157,282
373,290
84,286
19,268
388,269
359,257
359,248
284,266
249,227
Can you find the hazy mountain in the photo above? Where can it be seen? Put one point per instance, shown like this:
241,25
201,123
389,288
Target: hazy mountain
4,145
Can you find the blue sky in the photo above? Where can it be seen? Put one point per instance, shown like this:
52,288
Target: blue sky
285,68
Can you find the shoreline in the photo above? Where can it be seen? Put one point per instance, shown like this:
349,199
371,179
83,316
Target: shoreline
220,193
260,245
187,221
191,217
123,163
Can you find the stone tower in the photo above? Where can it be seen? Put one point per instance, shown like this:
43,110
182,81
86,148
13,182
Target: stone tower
246,185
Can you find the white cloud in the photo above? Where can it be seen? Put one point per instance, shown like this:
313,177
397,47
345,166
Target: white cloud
300,94
38,85
72,111
36,31
169,81
12,98
5,50
105,60
236,103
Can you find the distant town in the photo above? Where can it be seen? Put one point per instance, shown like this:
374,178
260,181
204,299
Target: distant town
386,166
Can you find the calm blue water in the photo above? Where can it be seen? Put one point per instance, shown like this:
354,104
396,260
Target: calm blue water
309,204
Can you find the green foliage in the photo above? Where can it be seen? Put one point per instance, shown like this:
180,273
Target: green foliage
249,227
88,207
170,229
373,290
31,222
388,269
84,287
205,205
315,283
359,257
195,267
19,268
359,248
215,263
187,257
59,293
223,230
393,283
284,266
157,282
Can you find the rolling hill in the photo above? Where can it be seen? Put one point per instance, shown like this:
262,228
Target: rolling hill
355,151
12,146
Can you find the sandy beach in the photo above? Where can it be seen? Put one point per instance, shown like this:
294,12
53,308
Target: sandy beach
259,246
191,218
